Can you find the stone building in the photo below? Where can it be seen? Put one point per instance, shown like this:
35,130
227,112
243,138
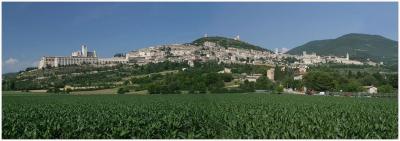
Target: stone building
271,73
77,58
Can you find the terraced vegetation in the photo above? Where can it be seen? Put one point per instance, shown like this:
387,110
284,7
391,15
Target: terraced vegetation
197,116
228,42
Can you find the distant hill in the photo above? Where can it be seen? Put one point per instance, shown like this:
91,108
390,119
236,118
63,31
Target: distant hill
359,46
228,42
10,75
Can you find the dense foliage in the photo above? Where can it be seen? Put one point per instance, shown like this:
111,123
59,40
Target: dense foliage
157,78
202,78
327,78
197,116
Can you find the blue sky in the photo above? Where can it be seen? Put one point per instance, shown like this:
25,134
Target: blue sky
33,30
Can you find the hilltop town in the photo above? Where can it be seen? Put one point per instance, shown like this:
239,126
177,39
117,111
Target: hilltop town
206,65
149,70
243,66
190,53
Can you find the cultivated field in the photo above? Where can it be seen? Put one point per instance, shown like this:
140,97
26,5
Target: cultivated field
197,116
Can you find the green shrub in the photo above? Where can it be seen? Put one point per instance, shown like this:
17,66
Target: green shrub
385,89
53,90
279,90
122,90
68,90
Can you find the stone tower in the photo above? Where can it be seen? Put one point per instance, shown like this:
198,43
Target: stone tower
84,51
94,53
237,38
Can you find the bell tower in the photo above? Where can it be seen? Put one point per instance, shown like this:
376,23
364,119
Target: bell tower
84,50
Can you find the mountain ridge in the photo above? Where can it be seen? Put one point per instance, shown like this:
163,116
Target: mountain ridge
359,46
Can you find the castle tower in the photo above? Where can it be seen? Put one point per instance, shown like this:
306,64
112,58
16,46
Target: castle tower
94,53
347,56
276,50
84,50
205,35
237,38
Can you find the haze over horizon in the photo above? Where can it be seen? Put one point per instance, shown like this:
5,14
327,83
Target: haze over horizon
33,30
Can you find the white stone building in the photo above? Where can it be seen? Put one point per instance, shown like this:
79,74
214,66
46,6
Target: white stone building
226,70
113,60
371,89
77,58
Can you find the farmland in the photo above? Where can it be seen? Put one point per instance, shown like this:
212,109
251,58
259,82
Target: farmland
197,116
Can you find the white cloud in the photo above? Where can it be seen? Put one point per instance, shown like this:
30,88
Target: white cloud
15,65
11,61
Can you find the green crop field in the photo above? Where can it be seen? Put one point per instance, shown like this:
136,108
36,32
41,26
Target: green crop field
197,116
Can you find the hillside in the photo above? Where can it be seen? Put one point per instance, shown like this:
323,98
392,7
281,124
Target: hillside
359,47
228,42
91,77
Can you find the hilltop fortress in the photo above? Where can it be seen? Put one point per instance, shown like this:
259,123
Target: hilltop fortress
190,53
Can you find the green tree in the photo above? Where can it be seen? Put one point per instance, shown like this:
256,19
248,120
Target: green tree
278,74
154,88
278,89
352,86
379,78
393,80
358,75
200,87
53,90
247,86
263,83
319,81
385,89
173,88
368,80
350,74
122,90
227,77
68,90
